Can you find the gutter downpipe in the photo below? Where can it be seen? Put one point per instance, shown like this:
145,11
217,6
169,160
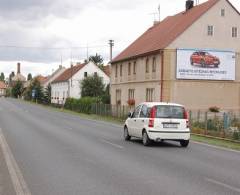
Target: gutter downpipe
162,70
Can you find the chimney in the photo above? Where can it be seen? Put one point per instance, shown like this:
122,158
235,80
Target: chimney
189,4
18,68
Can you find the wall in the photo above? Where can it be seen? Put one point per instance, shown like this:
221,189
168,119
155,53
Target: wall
139,81
202,94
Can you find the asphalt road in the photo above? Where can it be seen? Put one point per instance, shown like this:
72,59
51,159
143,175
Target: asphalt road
59,153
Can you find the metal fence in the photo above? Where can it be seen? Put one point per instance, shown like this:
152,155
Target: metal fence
222,124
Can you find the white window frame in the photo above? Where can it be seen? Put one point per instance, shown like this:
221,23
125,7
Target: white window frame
210,30
234,32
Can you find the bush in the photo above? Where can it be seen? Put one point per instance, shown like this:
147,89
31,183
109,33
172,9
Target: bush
214,109
82,105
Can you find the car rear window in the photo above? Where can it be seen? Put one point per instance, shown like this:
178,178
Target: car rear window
167,111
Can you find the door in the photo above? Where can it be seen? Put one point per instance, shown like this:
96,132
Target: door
142,120
132,122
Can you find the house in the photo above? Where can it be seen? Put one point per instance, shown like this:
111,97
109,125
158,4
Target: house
166,62
53,76
68,83
3,88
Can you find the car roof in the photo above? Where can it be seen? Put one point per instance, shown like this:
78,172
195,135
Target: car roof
160,103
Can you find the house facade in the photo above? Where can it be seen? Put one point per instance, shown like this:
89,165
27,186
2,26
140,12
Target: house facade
3,89
68,83
153,68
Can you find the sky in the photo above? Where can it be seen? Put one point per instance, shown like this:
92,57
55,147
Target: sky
41,35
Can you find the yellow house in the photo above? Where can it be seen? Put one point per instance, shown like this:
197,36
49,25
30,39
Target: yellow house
191,58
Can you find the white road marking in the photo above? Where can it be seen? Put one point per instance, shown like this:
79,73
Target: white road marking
223,185
112,144
19,183
216,147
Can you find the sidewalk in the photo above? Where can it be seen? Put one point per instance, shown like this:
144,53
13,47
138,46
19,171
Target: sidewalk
6,186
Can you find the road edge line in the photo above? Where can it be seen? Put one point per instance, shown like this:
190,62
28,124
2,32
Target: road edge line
18,181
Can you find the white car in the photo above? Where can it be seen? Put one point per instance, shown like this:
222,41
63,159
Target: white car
158,121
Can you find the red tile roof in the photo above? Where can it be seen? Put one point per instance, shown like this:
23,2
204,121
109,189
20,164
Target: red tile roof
67,74
2,85
162,34
106,70
41,78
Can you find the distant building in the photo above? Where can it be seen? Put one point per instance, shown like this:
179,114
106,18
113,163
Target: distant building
191,58
53,76
3,88
18,76
67,84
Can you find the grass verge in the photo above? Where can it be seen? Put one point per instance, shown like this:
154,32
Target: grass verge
216,142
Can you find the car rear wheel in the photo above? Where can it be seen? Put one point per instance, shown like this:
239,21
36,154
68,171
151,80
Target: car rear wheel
184,143
126,135
145,139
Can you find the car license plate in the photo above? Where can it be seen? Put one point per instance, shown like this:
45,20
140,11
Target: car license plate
170,125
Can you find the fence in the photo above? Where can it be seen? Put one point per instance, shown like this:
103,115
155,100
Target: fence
221,124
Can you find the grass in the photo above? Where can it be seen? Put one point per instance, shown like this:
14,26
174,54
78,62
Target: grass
216,142
197,138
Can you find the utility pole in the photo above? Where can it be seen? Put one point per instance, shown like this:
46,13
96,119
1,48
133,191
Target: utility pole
111,44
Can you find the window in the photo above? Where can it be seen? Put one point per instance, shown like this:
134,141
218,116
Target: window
118,96
222,12
154,65
234,32
136,112
145,112
121,70
147,66
150,94
134,67
64,95
95,74
129,68
210,30
116,71
85,74
175,112
131,93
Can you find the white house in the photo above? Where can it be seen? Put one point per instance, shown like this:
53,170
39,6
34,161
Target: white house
53,76
68,83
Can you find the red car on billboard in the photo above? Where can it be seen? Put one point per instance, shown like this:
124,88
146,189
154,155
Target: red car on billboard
204,59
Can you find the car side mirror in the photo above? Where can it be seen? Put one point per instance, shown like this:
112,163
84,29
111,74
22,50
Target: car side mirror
129,114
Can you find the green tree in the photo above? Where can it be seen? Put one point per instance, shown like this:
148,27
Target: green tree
17,89
106,98
2,77
37,88
47,94
97,59
29,77
11,76
92,86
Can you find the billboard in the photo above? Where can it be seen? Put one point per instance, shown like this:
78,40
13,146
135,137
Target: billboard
205,64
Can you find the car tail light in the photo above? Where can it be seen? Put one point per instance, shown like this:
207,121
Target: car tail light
152,116
187,118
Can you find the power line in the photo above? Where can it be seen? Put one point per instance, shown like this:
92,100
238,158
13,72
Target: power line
52,48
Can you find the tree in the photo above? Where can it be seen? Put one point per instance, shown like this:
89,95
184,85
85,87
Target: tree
97,59
2,77
47,94
35,87
92,86
29,77
106,98
17,89
11,76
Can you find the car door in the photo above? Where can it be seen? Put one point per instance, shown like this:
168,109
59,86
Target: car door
142,120
132,122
